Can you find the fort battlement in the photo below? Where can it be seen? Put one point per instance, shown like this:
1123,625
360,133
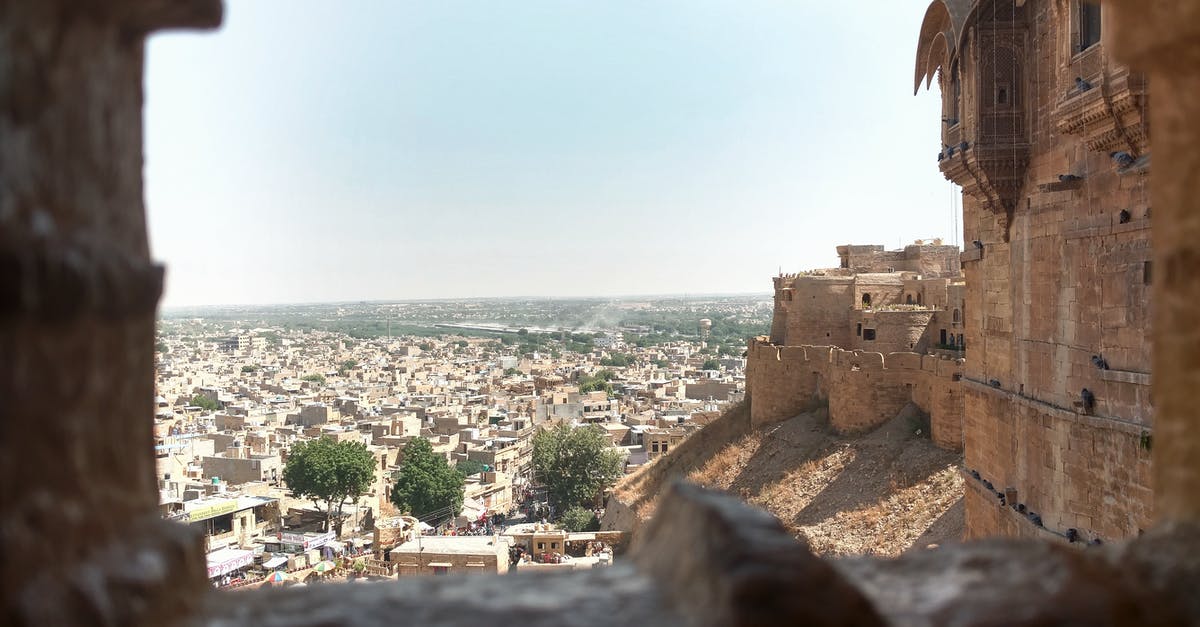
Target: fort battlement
863,389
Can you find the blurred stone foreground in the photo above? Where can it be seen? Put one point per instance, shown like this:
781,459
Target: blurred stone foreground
82,538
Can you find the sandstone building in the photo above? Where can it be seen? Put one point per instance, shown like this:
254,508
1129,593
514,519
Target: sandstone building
879,332
1049,139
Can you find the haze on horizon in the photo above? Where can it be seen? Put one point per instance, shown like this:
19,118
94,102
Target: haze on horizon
329,152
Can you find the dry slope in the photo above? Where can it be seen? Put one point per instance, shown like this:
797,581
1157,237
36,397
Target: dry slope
878,493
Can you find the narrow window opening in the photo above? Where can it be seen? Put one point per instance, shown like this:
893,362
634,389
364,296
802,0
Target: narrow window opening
858,330
1089,24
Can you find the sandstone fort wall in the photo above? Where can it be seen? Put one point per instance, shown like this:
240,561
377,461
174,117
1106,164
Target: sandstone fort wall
863,389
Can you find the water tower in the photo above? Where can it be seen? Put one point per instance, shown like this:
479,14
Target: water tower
705,330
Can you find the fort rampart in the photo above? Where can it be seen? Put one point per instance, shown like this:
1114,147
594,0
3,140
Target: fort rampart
863,389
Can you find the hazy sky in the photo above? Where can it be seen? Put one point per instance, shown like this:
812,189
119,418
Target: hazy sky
359,150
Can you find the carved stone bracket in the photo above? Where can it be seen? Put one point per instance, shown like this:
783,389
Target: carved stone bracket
1109,117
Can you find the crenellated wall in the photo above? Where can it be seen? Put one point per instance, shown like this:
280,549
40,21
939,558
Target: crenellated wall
863,389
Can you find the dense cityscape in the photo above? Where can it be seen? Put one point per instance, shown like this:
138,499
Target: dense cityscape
245,395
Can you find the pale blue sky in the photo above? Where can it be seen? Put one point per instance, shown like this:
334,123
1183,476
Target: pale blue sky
360,150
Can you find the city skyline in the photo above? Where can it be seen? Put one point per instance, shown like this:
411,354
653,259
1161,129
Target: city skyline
411,152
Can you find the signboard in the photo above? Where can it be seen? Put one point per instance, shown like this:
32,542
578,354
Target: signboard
306,541
227,561
205,512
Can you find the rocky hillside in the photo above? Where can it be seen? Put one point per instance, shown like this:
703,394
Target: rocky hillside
879,493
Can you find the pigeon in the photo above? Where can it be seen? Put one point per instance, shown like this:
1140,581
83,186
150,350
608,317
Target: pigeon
978,244
1089,400
1099,362
1035,519
1072,534
1124,216
950,151
1122,158
1096,542
963,146
1067,178
1081,84
950,121
994,383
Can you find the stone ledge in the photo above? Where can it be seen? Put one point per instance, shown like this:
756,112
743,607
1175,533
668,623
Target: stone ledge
1126,376
1061,413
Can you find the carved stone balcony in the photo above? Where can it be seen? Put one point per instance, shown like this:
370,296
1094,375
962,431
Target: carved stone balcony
1111,116
992,172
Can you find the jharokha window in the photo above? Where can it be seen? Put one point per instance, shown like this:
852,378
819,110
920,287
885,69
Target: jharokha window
1089,24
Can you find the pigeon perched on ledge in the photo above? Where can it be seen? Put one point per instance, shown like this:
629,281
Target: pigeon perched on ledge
1082,85
1122,159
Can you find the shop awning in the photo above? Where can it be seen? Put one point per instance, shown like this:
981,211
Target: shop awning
275,562
228,560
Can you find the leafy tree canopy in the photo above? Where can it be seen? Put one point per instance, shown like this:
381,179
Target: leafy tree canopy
426,486
329,472
579,519
314,378
468,467
619,360
575,465
711,364
205,403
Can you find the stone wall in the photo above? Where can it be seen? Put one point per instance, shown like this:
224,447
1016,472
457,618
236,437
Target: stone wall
863,389
817,312
1057,286
783,381
1090,473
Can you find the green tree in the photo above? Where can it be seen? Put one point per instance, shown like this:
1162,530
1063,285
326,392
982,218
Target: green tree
205,403
710,364
511,372
619,360
575,465
578,519
426,486
329,472
249,369
314,378
468,467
